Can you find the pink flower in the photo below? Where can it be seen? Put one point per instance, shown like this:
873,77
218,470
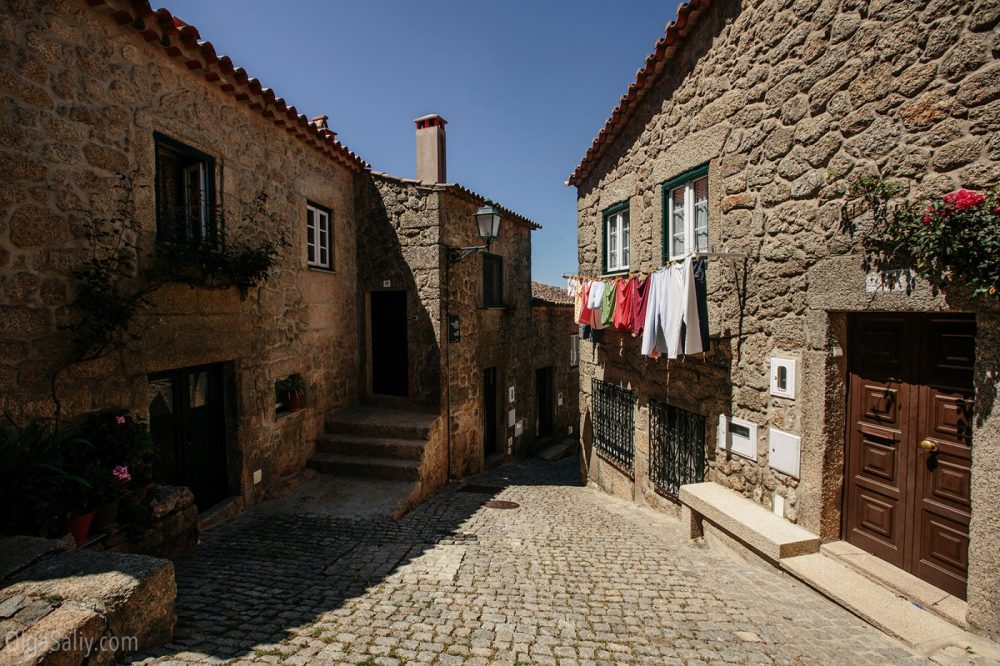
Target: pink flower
120,420
121,473
964,199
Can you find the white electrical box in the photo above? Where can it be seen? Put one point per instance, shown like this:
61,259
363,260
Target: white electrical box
511,417
784,450
738,436
779,505
519,428
783,377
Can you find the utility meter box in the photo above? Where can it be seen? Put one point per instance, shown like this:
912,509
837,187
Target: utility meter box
783,452
783,377
738,436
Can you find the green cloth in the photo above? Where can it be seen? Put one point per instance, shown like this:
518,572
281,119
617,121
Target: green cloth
608,303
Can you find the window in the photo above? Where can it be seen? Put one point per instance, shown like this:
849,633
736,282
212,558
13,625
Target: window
574,351
492,281
685,209
185,192
614,419
616,239
676,447
318,237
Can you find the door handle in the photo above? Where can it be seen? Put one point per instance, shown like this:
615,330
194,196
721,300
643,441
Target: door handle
928,446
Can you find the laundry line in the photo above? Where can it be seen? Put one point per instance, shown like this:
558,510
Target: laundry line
650,270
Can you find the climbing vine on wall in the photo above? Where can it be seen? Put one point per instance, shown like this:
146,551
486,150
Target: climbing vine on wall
949,240
116,281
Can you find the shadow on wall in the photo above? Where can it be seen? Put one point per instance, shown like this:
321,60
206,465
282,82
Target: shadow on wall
265,577
398,245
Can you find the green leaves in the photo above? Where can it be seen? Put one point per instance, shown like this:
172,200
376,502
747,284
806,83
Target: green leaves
951,241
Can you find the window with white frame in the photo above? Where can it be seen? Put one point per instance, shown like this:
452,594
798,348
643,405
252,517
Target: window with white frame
686,212
616,240
319,251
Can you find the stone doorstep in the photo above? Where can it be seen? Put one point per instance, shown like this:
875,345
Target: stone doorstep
890,613
557,450
221,512
766,533
904,583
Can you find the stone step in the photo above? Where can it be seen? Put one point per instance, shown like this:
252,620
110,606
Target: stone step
365,466
875,604
770,535
373,447
381,422
903,583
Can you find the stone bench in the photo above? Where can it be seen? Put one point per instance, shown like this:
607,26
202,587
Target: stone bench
769,535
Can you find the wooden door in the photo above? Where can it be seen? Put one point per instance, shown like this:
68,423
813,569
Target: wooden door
187,423
390,357
909,442
544,402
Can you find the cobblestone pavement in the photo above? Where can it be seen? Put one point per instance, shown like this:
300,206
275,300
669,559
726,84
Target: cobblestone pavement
570,577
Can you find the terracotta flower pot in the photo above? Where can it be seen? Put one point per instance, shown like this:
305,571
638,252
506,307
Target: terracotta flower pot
79,526
105,516
297,401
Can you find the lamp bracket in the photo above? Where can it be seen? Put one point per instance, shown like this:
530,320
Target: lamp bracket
456,254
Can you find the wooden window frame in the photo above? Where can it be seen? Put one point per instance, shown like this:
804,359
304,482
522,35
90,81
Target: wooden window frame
315,247
206,167
618,215
685,181
488,301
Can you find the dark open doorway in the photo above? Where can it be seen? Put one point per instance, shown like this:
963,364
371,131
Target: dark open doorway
187,423
390,374
489,411
544,403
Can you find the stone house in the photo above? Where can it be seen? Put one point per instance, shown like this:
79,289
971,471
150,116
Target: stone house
112,106
821,391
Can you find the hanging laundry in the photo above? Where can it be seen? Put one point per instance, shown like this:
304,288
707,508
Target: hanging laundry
624,299
594,301
700,267
654,340
683,310
640,287
583,318
575,289
608,302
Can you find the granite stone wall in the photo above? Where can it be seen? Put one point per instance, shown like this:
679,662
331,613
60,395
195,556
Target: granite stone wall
553,330
786,101
82,97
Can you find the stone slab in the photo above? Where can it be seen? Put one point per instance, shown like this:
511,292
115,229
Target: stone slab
135,593
904,583
18,552
772,536
63,637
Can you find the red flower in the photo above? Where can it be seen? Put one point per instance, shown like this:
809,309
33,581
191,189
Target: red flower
964,199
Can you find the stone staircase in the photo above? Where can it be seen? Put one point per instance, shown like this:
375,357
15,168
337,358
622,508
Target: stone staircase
374,442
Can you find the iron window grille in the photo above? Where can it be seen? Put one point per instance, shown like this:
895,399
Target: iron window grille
677,447
614,424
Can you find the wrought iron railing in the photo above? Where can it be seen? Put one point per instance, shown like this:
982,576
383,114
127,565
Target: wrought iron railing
614,424
676,447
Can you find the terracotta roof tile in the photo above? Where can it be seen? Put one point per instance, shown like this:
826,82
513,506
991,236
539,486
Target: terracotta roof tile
546,294
181,40
666,46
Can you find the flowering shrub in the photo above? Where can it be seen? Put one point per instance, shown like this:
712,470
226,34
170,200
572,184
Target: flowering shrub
953,240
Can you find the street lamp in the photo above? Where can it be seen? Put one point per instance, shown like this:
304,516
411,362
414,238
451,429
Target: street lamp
488,224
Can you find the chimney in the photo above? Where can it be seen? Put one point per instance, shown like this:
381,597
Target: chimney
430,149
319,122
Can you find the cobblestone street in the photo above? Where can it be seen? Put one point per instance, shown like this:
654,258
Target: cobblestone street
571,576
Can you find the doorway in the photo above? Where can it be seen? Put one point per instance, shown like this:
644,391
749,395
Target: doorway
909,442
489,412
187,424
390,358
544,404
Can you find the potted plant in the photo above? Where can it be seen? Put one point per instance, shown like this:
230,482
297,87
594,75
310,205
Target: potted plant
35,479
121,440
292,390
109,485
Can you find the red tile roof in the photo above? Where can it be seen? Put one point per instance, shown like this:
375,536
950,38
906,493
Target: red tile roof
546,294
666,46
182,41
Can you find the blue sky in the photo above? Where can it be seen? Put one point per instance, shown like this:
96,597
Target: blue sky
524,85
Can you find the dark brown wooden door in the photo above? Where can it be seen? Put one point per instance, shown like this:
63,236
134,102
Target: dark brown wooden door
390,356
909,442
